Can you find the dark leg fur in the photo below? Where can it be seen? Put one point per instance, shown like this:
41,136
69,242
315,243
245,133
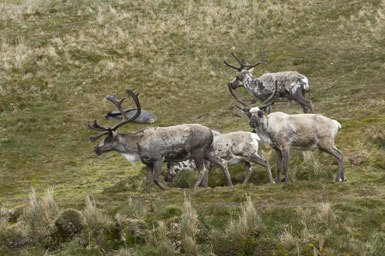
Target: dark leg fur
249,171
340,177
148,177
157,170
279,165
264,163
306,104
215,160
285,156
201,170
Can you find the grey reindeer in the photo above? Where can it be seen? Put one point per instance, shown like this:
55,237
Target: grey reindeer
291,84
154,145
233,148
302,131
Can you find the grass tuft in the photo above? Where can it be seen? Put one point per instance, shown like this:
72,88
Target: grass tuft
188,228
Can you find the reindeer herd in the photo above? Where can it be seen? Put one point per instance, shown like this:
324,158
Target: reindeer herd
197,147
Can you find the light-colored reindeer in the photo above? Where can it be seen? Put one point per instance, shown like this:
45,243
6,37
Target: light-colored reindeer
154,145
291,84
303,131
233,148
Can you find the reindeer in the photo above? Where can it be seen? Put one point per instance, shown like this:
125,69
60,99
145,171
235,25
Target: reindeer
303,131
291,84
233,148
154,145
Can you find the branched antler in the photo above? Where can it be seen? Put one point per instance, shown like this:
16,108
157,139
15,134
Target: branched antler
118,104
246,107
270,100
243,64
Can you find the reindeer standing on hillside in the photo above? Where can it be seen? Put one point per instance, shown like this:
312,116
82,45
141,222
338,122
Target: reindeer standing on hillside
291,84
233,148
157,144
303,131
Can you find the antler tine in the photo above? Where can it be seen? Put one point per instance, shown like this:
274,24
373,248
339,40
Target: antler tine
236,98
239,61
269,100
96,126
258,63
118,104
231,66
95,138
138,111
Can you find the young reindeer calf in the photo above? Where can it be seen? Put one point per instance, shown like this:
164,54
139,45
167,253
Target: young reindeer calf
157,144
303,131
233,147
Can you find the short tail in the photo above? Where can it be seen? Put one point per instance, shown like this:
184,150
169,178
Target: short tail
338,124
305,83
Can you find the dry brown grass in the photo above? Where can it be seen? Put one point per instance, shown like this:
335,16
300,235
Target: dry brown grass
188,228
248,221
39,214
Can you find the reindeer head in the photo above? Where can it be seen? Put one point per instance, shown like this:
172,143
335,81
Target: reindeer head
243,76
255,114
111,142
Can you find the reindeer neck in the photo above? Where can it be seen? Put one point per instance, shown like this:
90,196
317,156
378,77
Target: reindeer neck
128,143
263,130
253,87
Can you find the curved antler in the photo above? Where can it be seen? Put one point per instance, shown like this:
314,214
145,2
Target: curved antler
243,64
138,111
117,103
269,100
95,126
245,105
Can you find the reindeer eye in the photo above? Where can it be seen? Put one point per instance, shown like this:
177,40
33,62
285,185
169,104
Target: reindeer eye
108,139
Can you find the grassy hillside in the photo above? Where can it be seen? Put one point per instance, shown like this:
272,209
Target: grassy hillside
60,58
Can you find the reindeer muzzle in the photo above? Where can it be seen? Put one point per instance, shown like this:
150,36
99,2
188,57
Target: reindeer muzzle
97,151
253,122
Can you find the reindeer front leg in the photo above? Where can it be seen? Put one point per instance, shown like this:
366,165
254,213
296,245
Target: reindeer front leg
157,170
279,165
202,172
149,177
285,156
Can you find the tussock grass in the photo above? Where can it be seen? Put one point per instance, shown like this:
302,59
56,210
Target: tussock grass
188,228
39,214
160,241
249,220
93,216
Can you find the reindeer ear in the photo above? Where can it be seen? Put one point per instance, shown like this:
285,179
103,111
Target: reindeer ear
251,70
260,113
114,134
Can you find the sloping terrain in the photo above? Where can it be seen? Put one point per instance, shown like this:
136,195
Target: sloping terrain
60,58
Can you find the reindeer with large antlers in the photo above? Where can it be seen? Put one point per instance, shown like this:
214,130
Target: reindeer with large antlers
303,131
154,145
291,84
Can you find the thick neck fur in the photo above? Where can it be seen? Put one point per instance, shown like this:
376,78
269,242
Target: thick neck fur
263,131
254,87
128,143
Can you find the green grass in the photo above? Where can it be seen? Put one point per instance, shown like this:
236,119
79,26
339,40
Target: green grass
59,59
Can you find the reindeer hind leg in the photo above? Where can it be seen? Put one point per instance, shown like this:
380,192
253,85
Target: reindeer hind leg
222,164
340,177
306,104
258,160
